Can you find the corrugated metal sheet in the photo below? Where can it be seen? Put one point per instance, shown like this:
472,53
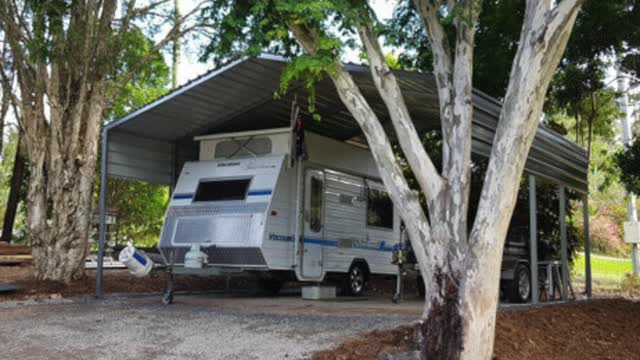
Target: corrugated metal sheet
151,144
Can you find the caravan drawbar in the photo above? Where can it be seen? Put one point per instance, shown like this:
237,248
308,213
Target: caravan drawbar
252,206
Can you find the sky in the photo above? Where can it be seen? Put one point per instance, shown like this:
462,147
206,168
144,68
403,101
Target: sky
190,67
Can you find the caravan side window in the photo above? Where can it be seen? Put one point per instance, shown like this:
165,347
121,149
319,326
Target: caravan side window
315,205
379,209
222,190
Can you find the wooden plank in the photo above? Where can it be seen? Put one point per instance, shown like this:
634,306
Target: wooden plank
6,249
14,259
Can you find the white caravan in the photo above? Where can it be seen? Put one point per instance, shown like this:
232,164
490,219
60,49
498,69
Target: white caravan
245,202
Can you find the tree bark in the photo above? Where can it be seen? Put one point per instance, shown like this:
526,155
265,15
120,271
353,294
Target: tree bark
13,201
61,186
175,51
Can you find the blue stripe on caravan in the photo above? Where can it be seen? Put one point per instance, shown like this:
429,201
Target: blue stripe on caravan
320,242
182,196
333,243
259,192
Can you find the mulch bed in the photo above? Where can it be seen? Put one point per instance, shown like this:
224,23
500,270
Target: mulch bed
115,281
602,329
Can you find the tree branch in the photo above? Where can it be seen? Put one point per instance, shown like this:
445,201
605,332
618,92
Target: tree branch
406,200
389,89
439,41
174,33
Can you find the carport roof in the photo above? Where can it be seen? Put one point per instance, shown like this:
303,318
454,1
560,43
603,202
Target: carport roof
151,143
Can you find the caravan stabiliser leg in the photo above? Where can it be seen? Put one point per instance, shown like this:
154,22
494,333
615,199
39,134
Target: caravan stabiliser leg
397,296
167,296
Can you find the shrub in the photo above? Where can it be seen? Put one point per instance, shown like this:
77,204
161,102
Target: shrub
605,237
631,285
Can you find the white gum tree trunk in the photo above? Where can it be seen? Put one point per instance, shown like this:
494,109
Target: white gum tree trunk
461,269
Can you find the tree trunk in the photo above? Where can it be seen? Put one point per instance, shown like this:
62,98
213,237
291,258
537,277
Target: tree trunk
461,273
175,53
592,117
14,191
61,101
61,192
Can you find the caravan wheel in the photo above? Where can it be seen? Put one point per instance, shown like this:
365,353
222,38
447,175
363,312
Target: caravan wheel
356,279
519,289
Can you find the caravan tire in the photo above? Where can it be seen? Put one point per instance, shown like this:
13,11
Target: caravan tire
518,290
356,279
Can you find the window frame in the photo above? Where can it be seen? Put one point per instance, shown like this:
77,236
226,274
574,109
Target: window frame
249,180
371,185
321,182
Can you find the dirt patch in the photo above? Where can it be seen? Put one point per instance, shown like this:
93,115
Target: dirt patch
603,329
115,281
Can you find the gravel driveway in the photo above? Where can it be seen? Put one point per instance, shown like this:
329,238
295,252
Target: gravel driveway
195,327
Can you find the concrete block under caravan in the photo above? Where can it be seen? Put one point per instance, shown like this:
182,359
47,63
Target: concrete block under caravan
317,292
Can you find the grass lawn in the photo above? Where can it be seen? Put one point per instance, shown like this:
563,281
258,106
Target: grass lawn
602,267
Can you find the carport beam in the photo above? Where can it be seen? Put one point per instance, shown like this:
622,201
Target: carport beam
587,245
533,240
102,206
563,243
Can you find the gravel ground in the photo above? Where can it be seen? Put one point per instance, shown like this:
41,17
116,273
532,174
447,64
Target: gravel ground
196,327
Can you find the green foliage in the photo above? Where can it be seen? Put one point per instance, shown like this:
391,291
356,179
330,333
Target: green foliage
139,208
571,111
6,170
604,172
250,27
628,161
149,81
497,38
603,28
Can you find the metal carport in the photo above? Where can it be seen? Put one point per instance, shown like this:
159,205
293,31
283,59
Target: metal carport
152,143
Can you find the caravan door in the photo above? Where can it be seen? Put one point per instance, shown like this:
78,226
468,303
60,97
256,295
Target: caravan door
313,224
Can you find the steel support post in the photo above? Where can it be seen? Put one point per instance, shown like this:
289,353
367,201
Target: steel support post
563,243
102,232
533,240
587,245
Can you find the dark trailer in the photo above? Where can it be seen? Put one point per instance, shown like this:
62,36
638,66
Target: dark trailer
152,144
